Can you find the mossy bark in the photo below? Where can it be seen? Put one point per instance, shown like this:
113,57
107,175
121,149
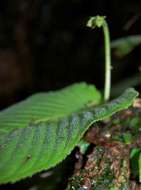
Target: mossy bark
106,168
108,165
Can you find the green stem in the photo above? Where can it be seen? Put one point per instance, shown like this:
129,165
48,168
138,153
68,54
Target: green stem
107,87
99,21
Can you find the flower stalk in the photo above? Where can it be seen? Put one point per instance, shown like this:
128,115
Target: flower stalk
100,21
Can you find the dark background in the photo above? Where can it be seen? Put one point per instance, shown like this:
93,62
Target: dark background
45,45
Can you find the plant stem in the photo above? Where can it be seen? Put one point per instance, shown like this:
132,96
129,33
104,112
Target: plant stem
107,87
99,21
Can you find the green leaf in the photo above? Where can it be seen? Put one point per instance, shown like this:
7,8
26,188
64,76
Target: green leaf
83,146
40,143
134,161
126,45
51,105
119,87
134,152
113,188
128,138
140,168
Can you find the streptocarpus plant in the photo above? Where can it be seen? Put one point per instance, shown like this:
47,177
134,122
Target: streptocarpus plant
41,131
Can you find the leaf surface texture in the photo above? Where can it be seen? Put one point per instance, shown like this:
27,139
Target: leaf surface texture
41,131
